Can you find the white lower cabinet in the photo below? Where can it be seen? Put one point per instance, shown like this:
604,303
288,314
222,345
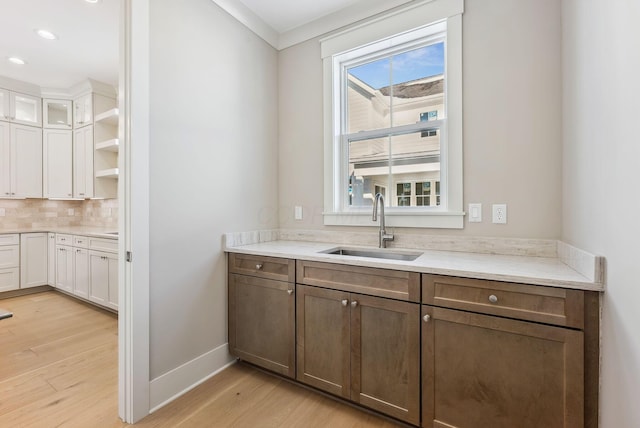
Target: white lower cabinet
33,259
9,262
103,278
81,272
64,268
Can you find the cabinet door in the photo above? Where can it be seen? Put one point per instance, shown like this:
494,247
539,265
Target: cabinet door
4,105
262,322
81,272
5,160
33,259
83,111
9,279
57,114
26,109
98,278
51,259
112,260
83,162
58,168
26,165
322,339
486,371
64,268
385,356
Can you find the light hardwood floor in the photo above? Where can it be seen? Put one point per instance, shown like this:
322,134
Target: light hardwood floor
58,368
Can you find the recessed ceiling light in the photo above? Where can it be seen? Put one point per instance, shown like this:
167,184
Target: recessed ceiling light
45,34
92,1
16,60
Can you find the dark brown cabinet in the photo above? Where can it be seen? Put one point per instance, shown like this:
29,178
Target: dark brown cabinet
262,320
362,348
483,369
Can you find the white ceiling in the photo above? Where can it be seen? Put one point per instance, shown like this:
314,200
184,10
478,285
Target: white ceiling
285,15
87,46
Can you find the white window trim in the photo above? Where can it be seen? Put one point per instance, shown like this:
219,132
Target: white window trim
452,214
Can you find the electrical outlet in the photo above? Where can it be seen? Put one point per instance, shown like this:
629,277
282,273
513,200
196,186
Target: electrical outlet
297,212
2,213
71,211
499,213
475,213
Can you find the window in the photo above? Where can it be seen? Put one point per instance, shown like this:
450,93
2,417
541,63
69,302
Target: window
393,109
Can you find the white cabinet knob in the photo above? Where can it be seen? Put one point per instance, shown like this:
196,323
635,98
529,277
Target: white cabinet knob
493,298
426,318
344,302
290,292
354,303
258,266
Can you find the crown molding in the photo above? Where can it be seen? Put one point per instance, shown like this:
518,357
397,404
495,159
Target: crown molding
326,24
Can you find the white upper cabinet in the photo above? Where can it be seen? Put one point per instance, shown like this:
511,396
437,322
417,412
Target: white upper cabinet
83,163
83,111
20,108
57,163
21,161
57,114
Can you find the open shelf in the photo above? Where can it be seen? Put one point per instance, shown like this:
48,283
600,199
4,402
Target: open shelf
109,117
112,145
107,173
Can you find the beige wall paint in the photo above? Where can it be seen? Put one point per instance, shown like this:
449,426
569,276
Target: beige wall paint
512,121
601,65
213,168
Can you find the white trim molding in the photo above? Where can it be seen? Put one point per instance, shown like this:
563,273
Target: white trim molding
188,376
357,12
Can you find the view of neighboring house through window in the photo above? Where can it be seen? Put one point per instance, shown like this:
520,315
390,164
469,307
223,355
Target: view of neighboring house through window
394,109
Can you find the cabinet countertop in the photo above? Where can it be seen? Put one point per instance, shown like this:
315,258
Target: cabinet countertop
96,232
547,271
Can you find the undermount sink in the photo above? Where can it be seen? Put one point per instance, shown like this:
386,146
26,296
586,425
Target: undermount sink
374,253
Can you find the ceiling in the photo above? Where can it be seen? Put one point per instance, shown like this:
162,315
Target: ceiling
87,45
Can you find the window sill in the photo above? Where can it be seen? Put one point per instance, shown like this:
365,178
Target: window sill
436,220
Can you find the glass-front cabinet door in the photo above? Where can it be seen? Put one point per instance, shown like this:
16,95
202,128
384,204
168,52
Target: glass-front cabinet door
83,111
57,114
4,105
26,109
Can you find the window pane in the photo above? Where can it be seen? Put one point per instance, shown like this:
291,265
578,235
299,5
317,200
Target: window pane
417,93
368,170
415,164
367,107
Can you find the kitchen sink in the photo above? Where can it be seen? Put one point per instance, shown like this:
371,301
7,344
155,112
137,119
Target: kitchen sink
374,253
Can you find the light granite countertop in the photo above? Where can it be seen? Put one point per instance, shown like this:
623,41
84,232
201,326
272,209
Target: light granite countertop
547,271
97,232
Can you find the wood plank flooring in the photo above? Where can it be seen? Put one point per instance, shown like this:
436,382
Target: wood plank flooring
58,368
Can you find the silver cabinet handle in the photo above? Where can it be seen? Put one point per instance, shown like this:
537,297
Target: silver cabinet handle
344,302
493,298
258,266
354,303
426,318
290,292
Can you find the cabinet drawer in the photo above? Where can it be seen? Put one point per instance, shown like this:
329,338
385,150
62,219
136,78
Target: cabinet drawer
263,267
393,284
9,256
80,241
63,239
99,244
11,239
549,305
9,279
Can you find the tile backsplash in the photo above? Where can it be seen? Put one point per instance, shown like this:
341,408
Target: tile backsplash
37,213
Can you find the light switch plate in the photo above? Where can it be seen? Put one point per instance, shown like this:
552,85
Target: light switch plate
297,212
2,213
475,213
71,211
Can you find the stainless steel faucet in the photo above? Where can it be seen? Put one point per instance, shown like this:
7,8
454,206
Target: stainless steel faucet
383,236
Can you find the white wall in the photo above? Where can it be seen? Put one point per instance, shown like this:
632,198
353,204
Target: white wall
601,175
213,168
512,120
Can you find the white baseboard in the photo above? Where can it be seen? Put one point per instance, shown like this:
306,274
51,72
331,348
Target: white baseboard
173,384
